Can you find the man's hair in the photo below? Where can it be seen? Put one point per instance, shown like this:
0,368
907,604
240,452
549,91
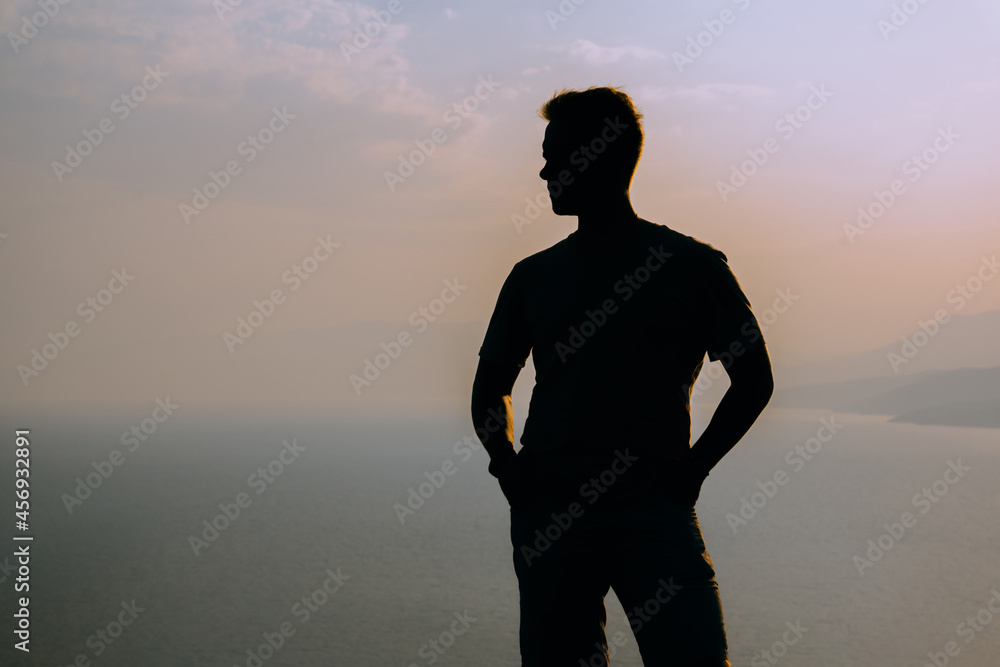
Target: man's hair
588,112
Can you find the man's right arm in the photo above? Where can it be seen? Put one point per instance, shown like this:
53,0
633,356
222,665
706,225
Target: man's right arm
492,413
503,353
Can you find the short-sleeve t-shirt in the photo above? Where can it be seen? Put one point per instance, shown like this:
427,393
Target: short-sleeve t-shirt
618,336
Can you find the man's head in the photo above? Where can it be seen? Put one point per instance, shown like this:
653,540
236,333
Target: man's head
592,145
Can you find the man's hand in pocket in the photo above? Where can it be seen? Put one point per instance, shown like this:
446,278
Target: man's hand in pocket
682,480
517,479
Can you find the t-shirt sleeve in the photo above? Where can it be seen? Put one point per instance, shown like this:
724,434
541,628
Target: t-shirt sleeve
508,338
729,324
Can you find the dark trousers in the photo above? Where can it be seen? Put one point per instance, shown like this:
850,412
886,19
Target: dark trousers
569,550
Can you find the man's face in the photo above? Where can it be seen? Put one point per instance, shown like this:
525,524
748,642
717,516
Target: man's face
579,169
566,183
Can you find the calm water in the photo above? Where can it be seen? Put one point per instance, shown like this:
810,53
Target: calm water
402,585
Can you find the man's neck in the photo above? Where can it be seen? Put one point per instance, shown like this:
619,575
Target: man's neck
608,223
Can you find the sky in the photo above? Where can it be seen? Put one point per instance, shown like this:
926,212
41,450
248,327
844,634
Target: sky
180,159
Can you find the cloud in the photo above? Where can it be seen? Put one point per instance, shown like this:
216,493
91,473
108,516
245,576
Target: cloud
594,54
335,51
705,92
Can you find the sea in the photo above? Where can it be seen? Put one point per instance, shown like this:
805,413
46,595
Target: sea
312,537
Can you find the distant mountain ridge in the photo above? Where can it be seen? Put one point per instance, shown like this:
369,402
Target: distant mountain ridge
949,378
964,341
961,397
962,386
980,415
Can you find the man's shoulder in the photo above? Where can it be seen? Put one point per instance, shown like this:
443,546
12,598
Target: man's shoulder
682,245
544,260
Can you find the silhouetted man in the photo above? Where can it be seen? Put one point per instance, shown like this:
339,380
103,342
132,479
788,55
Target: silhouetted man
618,317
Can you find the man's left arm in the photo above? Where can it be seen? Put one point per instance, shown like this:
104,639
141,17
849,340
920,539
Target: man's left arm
733,337
750,390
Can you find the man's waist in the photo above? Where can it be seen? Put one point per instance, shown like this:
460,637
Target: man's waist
577,463
574,436
620,478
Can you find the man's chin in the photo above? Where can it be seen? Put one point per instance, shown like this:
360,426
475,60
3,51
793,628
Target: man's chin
562,208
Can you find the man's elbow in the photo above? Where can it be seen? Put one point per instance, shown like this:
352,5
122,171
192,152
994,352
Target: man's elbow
492,385
481,402
487,395
754,378
766,387
488,402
